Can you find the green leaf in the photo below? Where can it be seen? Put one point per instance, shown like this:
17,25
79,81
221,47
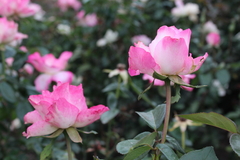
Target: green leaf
178,80
55,134
167,151
74,135
141,135
137,152
177,95
88,132
148,139
213,119
159,76
223,76
107,116
235,143
206,153
110,87
125,146
154,117
111,100
46,151
174,143
7,92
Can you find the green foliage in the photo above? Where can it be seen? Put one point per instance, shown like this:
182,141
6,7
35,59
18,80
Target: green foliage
167,151
206,153
46,151
154,117
128,18
213,119
235,143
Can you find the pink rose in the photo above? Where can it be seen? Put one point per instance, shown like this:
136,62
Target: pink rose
9,61
213,39
142,38
9,32
21,8
168,54
51,68
28,68
23,48
65,4
88,20
157,82
63,108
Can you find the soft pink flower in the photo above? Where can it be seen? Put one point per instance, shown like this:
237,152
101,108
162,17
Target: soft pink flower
23,48
213,39
87,20
142,38
9,61
168,54
51,68
9,31
65,4
21,8
157,82
63,108
28,68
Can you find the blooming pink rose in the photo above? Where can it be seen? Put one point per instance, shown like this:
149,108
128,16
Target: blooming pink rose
157,82
63,108
9,31
51,68
65,4
213,39
21,8
168,54
142,38
88,20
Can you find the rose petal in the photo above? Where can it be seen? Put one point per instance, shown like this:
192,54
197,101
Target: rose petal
170,55
62,114
63,76
73,94
39,128
140,61
32,117
42,82
90,115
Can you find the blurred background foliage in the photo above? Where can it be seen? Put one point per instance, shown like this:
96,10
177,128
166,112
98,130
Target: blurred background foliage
128,18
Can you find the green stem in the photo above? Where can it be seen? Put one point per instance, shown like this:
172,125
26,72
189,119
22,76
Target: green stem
118,88
183,140
69,150
168,108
